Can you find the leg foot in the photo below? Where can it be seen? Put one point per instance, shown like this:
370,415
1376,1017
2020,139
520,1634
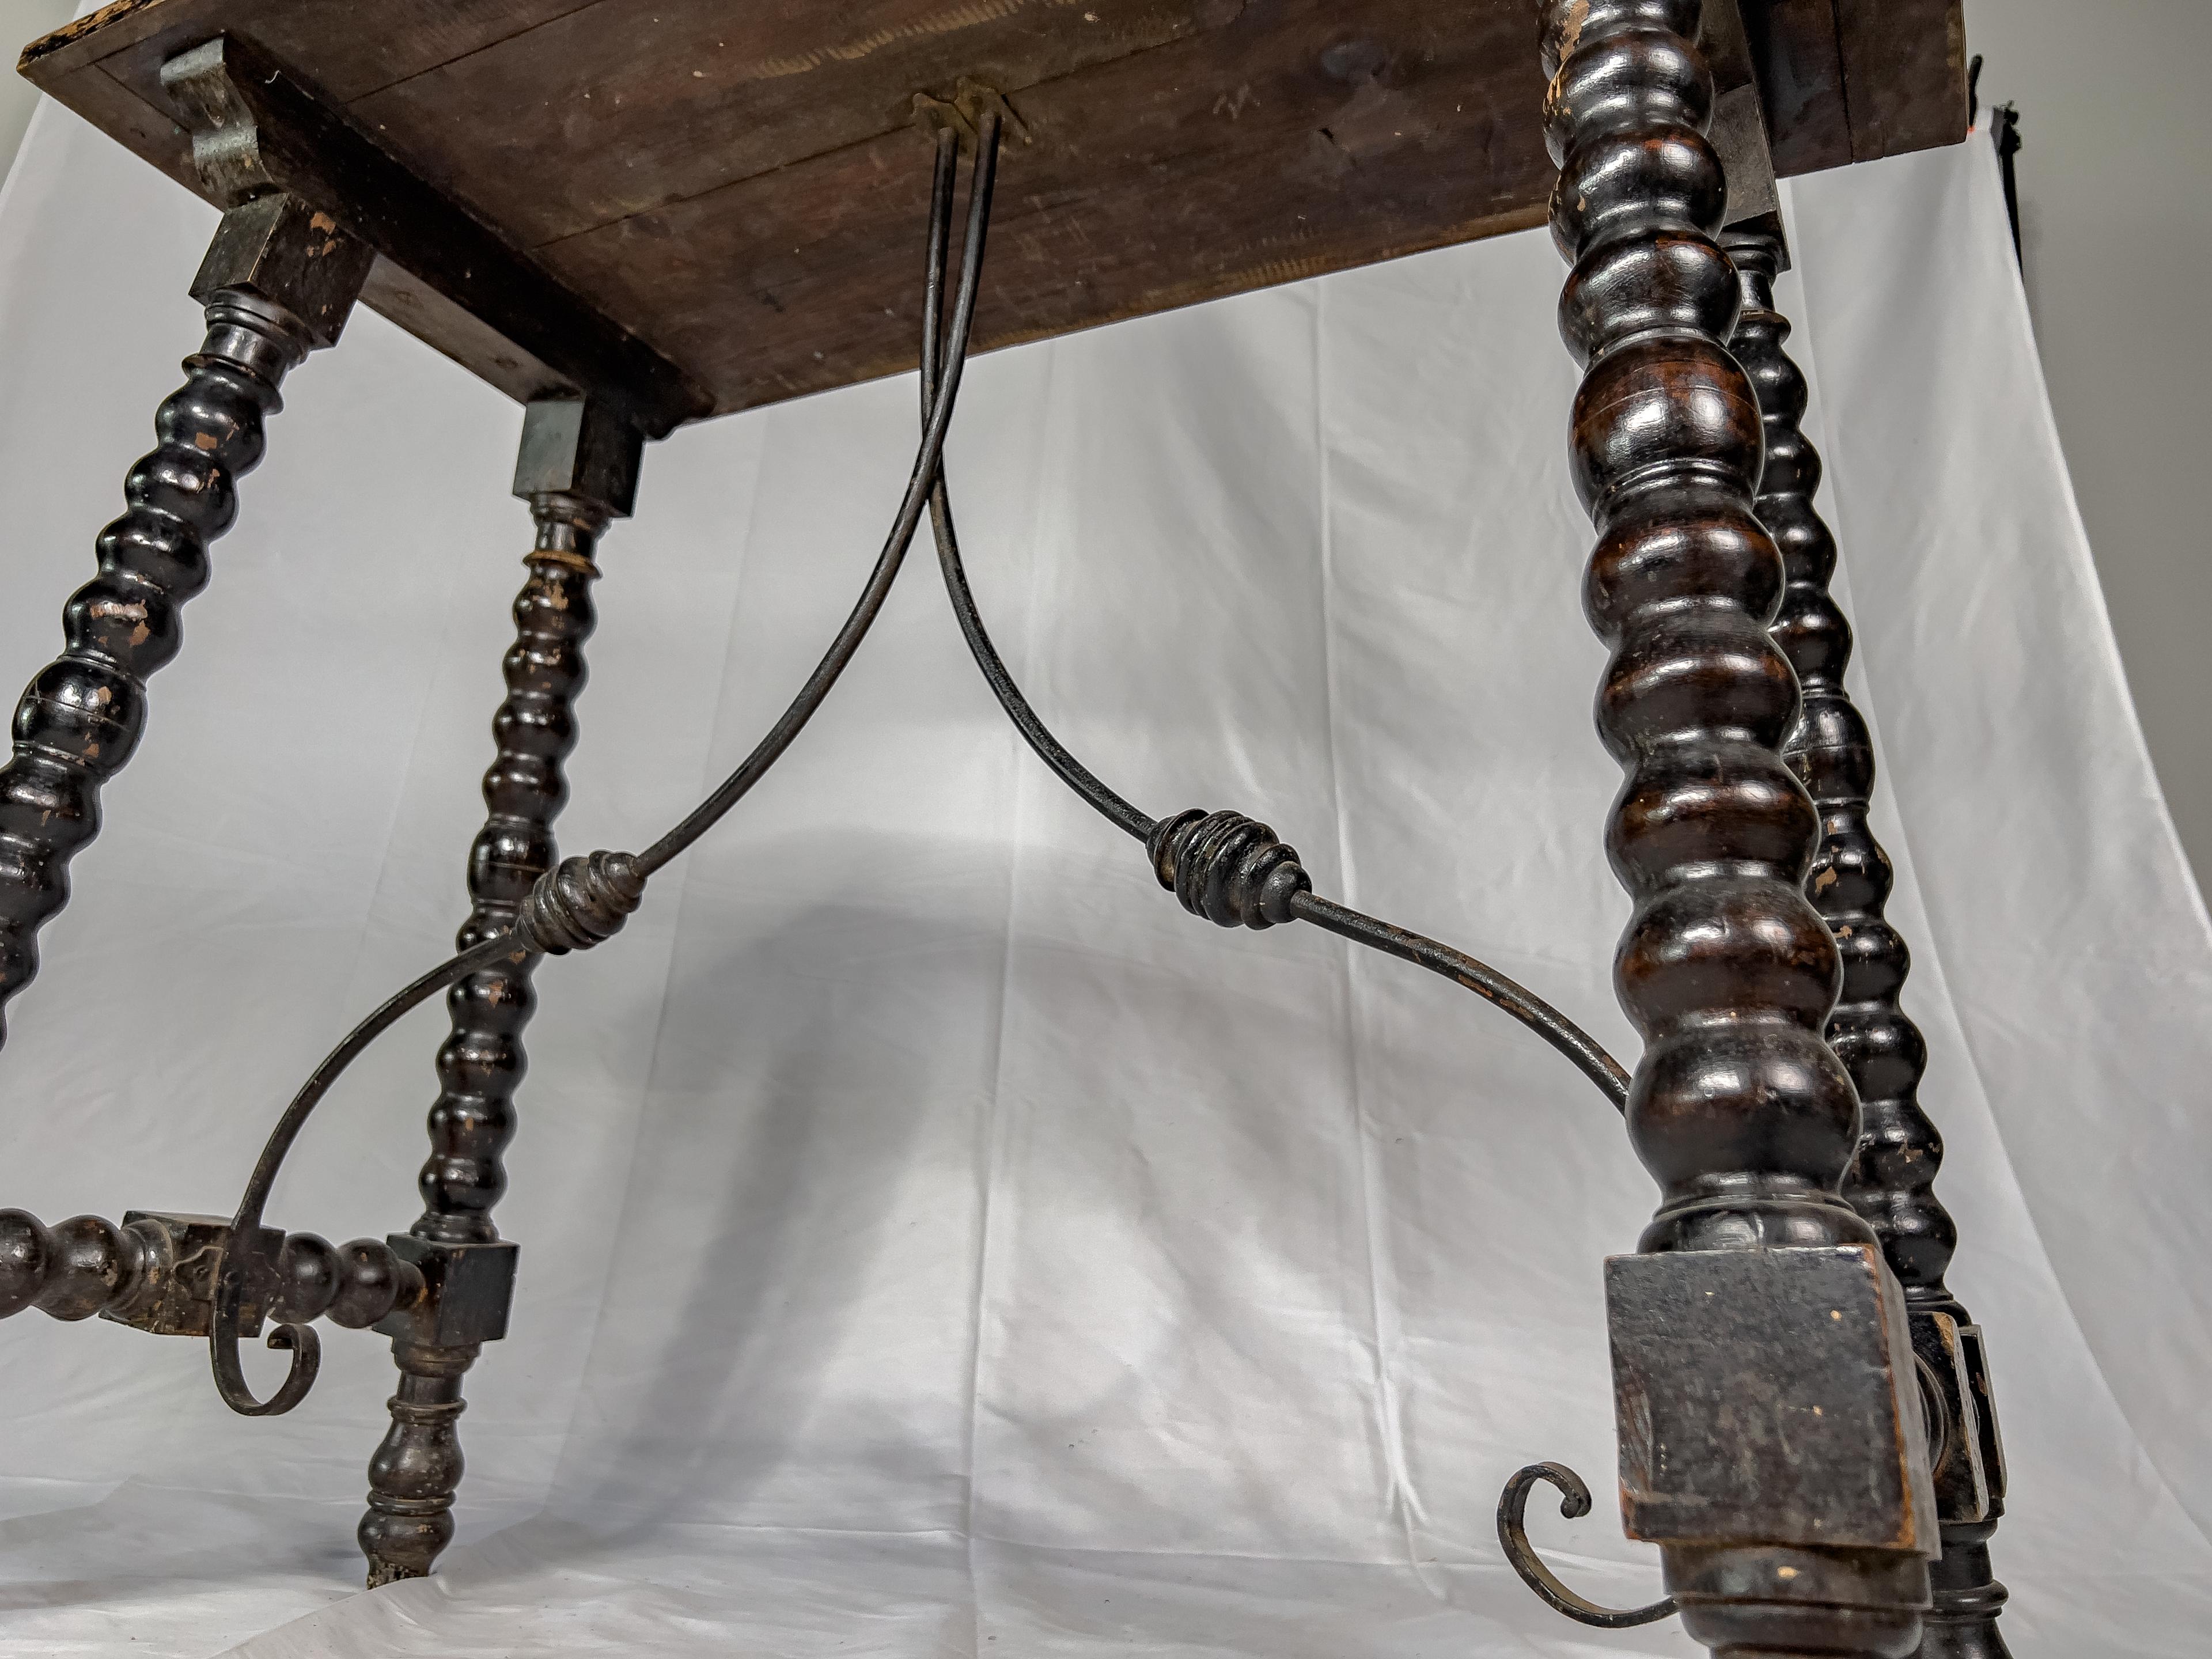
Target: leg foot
415,1472
578,470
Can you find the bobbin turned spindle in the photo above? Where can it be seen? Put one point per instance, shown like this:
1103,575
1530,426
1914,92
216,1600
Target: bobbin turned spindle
1771,1439
277,282
620,268
1891,1180
156,1272
578,471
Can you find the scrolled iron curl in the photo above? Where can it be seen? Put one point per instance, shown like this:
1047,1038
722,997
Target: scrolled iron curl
578,903
1521,1554
290,1337
584,901
1227,867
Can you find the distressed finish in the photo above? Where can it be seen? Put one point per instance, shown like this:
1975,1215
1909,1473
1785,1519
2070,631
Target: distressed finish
578,470
628,259
1738,1107
524,790
1891,1179
733,185
158,1273
271,293
256,129
418,1467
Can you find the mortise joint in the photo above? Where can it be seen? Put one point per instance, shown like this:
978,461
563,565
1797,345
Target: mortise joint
963,113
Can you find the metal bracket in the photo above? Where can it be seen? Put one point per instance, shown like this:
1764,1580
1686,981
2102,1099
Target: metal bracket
1738,132
1965,1458
176,1294
256,128
963,113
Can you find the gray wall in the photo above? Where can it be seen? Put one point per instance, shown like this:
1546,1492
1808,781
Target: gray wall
2116,227
27,19
2116,210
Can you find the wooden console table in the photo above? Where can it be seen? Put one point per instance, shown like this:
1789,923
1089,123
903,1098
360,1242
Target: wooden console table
631,215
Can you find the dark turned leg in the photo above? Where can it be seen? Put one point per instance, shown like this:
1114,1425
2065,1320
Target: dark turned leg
1891,1182
277,282
1771,1440
578,470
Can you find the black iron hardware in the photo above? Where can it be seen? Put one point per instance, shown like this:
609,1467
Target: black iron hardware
1574,1503
584,900
201,1276
1794,1508
442,1292
1223,867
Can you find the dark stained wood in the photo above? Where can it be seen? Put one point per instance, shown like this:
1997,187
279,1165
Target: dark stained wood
718,94
740,186
1140,192
277,282
1905,74
157,1273
1791,1518
1891,1180
578,470
256,127
1802,83
353,50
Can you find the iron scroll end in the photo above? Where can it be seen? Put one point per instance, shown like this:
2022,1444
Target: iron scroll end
305,1347
1574,1503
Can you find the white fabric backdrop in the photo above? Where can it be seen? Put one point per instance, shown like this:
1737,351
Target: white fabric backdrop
935,1242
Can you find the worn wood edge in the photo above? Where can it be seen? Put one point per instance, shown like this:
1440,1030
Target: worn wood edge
458,335
71,47
450,329
68,64
1891,115
1798,51
312,147
396,291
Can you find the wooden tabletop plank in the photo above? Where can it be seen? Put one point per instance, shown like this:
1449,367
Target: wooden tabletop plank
1802,80
740,186
1254,153
631,104
322,41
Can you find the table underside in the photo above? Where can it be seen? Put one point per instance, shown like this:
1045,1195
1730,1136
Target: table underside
741,188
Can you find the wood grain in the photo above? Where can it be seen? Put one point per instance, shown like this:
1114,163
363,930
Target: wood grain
1905,74
631,104
1276,148
741,187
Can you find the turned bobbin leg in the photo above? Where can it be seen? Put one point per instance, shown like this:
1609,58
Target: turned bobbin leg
1891,1181
1771,1435
277,282
578,470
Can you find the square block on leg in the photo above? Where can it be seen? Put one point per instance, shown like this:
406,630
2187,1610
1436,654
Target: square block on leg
468,1288
1767,1397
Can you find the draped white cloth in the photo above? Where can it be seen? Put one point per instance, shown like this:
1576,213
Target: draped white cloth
935,1242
